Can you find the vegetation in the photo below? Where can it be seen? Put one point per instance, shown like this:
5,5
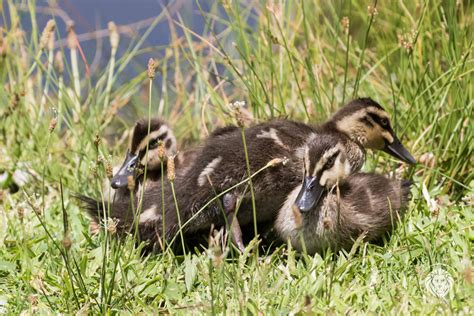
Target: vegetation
61,131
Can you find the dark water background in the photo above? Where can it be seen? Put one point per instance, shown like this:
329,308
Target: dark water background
91,17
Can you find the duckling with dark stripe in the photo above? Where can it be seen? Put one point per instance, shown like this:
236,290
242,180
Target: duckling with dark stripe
368,204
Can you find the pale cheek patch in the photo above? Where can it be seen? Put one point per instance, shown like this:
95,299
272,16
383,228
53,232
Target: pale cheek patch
339,171
208,170
387,136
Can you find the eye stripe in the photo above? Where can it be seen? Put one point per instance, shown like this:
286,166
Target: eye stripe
366,121
377,119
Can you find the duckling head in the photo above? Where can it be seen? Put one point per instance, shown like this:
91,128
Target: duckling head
144,150
325,164
365,121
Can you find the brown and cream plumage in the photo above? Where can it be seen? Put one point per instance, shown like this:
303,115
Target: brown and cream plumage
367,203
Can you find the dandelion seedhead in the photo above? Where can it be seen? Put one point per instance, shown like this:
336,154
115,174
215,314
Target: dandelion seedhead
151,68
114,35
47,37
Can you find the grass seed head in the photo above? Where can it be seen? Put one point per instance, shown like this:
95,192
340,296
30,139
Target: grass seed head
97,140
130,183
170,169
161,150
52,124
112,226
372,10
151,68
48,35
114,35
67,243
71,36
59,62
109,170
345,22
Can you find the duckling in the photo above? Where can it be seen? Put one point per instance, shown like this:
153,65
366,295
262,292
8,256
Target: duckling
194,190
368,203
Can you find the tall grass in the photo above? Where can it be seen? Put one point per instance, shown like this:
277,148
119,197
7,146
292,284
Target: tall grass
284,58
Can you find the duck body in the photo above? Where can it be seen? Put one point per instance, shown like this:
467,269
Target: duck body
368,204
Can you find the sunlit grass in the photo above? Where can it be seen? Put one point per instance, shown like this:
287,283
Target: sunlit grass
283,59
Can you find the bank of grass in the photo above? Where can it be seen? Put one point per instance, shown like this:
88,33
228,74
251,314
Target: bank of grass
62,130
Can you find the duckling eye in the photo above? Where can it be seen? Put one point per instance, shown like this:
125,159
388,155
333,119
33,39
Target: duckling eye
330,162
153,143
384,122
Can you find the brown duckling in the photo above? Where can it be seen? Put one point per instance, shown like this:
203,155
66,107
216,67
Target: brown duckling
368,203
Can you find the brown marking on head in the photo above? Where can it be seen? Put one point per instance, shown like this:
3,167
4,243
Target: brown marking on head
365,121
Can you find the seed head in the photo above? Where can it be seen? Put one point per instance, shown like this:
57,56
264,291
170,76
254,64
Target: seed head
130,183
277,161
170,168
151,68
372,10
71,36
48,35
345,22
52,124
161,150
58,62
240,114
109,170
114,35
112,226
97,140
67,242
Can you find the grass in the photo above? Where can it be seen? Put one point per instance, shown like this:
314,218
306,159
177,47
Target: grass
283,59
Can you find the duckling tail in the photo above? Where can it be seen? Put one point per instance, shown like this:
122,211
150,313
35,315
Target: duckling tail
93,207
